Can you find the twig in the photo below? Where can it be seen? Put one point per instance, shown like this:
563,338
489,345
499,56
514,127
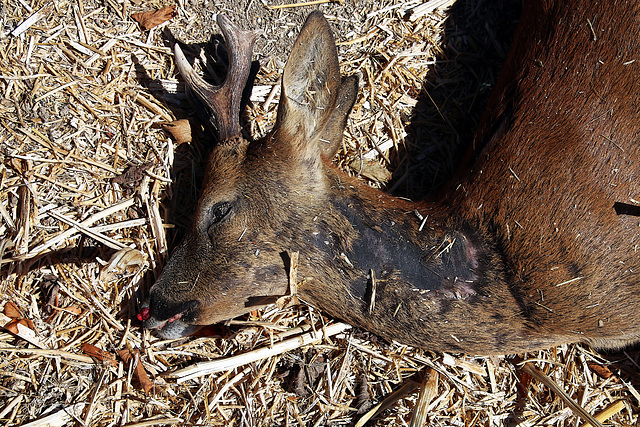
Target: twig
206,368
156,421
50,353
407,388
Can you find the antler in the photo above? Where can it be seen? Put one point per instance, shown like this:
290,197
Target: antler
220,105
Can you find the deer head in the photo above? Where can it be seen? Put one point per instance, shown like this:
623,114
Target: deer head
259,197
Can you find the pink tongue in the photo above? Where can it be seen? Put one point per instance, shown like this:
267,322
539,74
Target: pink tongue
144,314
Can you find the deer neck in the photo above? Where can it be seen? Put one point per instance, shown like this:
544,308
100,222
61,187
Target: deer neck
365,236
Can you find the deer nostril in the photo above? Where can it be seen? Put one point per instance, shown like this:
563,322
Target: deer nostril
144,314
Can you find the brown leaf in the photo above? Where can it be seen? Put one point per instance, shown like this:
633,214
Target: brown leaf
12,326
139,371
25,329
28,323
11,310
50,288
600,370
125,355
523,384
363,398
99,354
180,130
153,18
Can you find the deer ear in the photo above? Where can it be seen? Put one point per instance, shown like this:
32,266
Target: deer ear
330,136
315,102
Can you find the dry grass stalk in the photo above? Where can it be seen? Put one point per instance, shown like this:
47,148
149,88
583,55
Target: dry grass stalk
293,272
303,4
60,418
372,292
579,410
31,20
608,412
83,95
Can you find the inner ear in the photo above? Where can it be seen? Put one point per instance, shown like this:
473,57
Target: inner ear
329,137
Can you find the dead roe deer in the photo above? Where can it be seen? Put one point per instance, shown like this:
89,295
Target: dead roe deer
534,242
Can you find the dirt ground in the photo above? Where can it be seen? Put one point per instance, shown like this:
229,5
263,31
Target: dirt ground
94,195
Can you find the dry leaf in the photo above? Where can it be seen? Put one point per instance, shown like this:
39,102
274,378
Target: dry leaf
523,384
25,329
371,169
139,371
99,354
153,18
50,288
363,397
180,130
125,260
11,310
600,370
12,326
132,175
15,329
28,323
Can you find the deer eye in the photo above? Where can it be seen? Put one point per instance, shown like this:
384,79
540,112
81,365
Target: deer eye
219,212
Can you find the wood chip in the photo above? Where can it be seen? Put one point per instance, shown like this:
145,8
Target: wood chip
428,391
31,20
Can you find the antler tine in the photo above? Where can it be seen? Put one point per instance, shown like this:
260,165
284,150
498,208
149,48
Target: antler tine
220,105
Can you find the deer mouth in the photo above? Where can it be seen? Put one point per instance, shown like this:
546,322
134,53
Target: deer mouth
171,328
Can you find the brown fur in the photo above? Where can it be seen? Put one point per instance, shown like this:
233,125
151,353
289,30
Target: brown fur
524,248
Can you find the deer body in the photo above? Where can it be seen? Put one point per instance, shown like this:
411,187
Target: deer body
533,243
